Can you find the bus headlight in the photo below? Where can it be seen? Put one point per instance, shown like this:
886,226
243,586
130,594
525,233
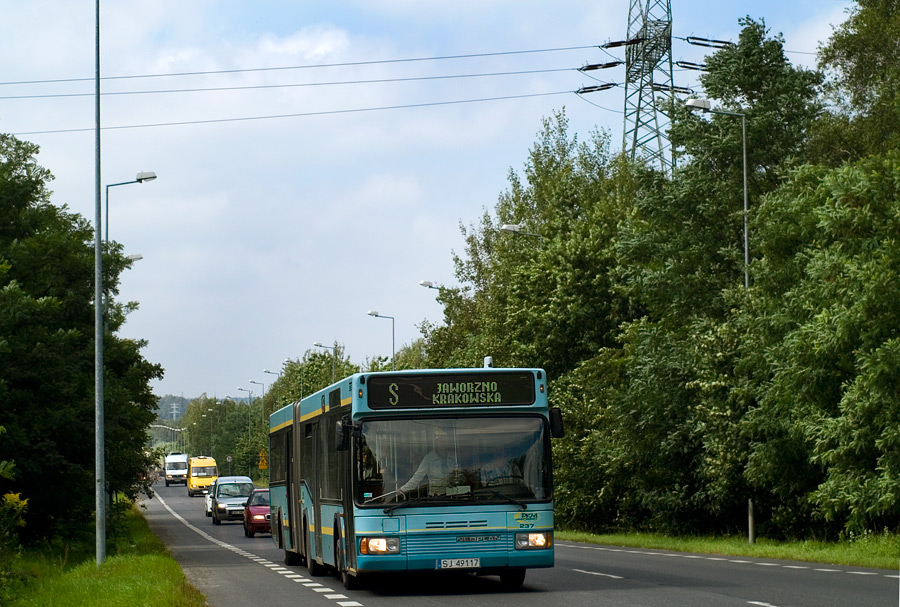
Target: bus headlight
534,540
379,545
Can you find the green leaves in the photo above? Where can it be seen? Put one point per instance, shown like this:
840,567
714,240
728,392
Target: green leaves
832,361
686,393
47,355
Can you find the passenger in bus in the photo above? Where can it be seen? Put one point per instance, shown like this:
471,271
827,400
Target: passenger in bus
437,466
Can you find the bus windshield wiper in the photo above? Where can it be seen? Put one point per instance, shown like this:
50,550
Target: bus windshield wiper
413,502
506,498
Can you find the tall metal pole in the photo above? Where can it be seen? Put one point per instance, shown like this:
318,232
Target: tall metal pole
393,342
746,208
99,436
333,349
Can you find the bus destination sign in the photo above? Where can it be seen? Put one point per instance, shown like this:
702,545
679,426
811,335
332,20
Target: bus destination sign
402,391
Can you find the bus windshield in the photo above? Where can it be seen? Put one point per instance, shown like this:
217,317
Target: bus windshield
483,459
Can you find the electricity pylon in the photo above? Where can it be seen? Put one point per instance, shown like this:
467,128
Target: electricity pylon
648,82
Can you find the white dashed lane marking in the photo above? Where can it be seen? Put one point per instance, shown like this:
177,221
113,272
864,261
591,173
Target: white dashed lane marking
715,558
275,567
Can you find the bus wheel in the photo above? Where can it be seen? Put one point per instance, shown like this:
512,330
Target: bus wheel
350,581
315,569
292,559
513,578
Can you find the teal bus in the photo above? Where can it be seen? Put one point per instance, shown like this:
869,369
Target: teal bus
423,470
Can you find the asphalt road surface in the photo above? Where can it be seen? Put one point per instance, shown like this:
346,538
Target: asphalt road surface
236,571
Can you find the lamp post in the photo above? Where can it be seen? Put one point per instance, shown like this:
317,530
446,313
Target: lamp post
262,403
141,177
99,442
319,344
704,106
516,228
429,285
249,402
99,313
259,383
393,348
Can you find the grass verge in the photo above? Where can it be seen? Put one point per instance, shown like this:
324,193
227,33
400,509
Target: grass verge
139,572
877,551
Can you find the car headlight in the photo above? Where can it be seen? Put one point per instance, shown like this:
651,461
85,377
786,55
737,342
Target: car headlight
534,540
379,545
220,506
259,517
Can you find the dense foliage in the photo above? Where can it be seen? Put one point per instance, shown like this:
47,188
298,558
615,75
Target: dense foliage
47,356
686,393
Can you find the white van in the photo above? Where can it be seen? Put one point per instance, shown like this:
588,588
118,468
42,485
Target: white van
176,468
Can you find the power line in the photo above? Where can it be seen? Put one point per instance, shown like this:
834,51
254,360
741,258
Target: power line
293,85
304,67
297,115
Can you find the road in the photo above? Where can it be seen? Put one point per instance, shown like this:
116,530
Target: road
235,571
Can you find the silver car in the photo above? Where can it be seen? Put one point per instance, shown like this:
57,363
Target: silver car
227,497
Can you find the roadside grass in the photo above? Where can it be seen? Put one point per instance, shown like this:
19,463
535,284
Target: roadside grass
138,571
876,551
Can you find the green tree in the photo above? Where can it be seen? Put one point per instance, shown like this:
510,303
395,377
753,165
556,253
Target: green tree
865,88
679,441
47,354
542,300
548,300
825,431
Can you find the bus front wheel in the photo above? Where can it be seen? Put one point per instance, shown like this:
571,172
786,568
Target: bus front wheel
512,578
350,581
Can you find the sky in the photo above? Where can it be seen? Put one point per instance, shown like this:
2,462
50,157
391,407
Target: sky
289,205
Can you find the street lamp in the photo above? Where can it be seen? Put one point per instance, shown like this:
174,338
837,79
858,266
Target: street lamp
516,228
99,310
393,342
287,361
429,285
259,383
271,372
704,106
141,177
319,344
262,404
249,402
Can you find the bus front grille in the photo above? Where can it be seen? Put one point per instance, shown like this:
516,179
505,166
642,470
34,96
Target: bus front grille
442,546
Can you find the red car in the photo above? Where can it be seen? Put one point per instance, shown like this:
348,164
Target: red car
256,513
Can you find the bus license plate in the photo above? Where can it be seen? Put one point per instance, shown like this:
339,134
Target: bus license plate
458,563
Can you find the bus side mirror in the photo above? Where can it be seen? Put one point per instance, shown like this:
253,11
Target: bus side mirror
341,436
557,430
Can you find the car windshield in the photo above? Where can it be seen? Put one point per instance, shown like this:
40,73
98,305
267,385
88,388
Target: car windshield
486,459
203,471
234,490
260,498
177,465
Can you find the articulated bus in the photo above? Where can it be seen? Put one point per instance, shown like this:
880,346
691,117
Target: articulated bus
419,470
